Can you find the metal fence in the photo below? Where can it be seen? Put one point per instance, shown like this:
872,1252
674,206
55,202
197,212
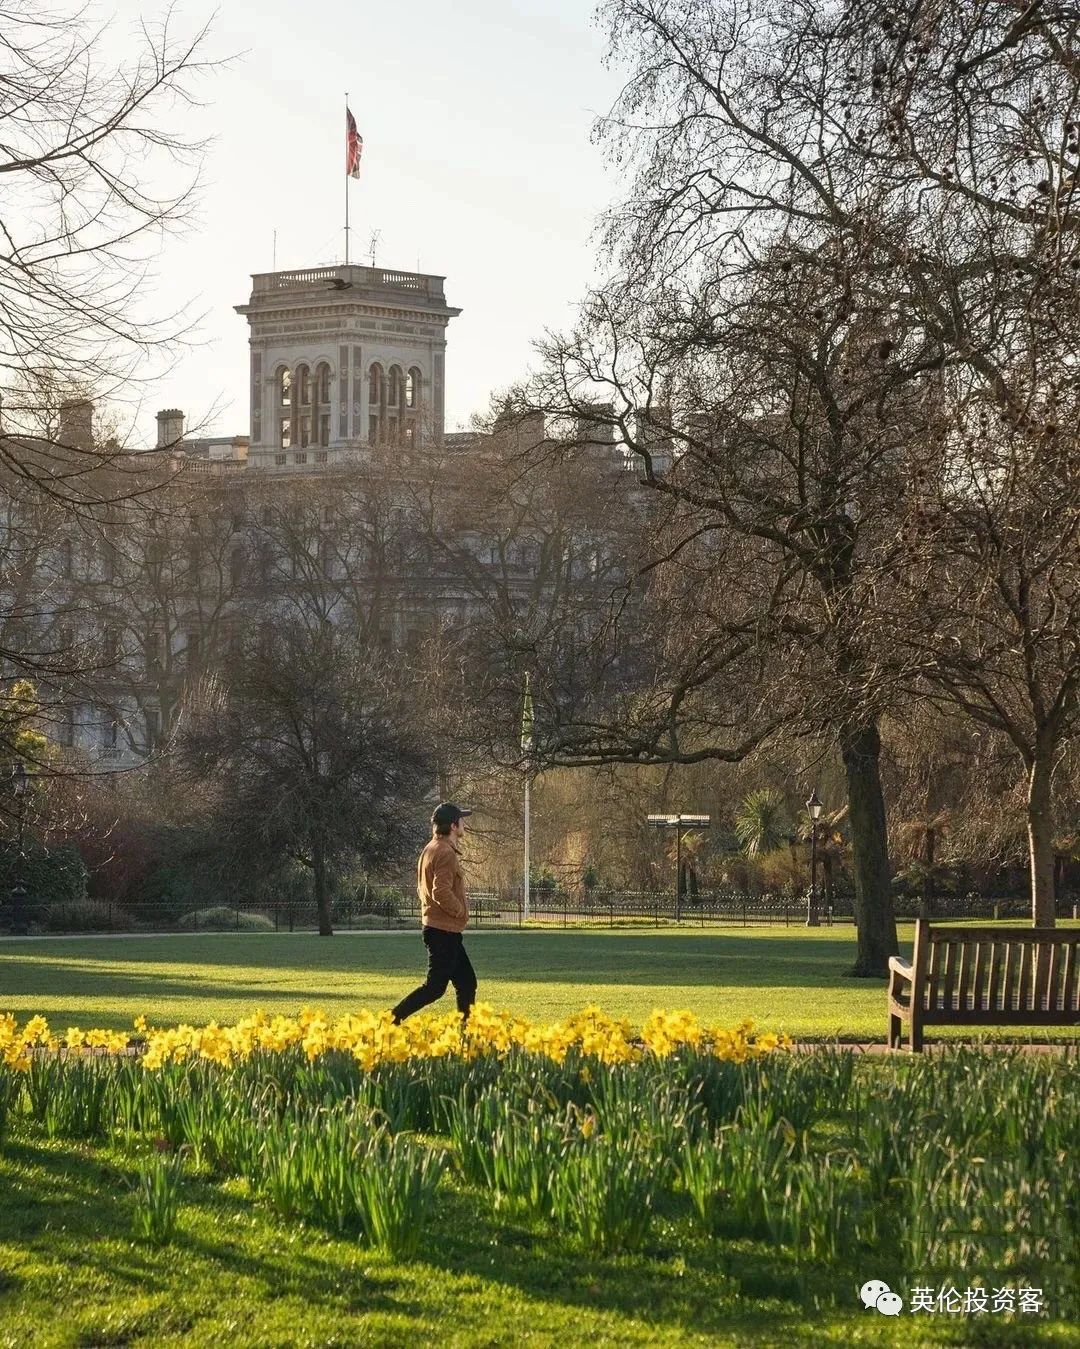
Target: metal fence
490,909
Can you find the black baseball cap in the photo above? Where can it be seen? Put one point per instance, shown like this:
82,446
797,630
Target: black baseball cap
448,813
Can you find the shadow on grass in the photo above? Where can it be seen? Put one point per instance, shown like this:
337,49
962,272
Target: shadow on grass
88,1203
573,957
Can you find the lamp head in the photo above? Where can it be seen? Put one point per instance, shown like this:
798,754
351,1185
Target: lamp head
814,806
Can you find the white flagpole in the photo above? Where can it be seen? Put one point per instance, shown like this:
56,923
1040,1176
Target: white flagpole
525,908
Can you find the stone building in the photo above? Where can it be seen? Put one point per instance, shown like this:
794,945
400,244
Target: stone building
326,502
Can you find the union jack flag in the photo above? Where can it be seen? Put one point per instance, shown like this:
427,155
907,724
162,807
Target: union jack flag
354,146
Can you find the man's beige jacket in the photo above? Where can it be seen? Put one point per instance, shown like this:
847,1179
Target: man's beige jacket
440,884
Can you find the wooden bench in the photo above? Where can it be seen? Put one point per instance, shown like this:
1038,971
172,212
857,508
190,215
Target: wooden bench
985,976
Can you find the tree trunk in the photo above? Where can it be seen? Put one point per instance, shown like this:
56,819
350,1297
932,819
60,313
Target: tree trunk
875,920
1041,841
322,889
827,877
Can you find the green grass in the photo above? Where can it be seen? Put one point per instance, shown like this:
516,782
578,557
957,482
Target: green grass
787,979
238,1278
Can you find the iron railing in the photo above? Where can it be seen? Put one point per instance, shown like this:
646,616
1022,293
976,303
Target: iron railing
490,909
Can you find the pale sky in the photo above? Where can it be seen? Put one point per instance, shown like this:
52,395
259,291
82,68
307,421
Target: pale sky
477,163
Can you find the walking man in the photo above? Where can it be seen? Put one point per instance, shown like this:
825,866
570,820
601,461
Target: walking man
444,911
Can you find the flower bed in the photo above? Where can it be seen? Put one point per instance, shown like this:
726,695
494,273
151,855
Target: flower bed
372,1038
916,1170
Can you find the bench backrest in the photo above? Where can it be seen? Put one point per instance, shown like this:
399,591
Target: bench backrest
997,969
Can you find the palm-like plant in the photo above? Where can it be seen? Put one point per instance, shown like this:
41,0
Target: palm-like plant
761,825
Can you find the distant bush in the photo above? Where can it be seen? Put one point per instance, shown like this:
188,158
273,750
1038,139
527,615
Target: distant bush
220,918
81,915
54,875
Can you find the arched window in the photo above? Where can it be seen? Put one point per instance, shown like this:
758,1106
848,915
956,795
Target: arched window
284,412
395,386
322,393
302,411
376,407
412,388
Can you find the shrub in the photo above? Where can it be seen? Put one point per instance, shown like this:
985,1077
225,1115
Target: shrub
51,875
81,915
220,918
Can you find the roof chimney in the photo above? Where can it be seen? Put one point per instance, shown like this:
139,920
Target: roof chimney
170,429
77,424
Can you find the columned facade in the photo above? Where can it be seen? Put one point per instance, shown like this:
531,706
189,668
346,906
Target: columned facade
343,358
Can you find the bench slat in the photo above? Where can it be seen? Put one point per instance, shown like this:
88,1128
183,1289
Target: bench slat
947,987
1070,984
968,954
979,1000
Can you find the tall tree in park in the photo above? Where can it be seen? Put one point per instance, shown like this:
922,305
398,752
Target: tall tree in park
95,167
969,116
807,287
305,739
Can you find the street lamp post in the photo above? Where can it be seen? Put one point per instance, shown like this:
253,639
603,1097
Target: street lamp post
19,783
681,824
813,809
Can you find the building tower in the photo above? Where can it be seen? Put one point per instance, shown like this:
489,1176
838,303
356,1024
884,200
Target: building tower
343,358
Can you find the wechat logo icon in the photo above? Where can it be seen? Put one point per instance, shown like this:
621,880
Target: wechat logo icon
874,1293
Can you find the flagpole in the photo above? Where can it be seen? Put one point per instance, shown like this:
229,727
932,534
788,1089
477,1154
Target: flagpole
528,742
346,183
525,906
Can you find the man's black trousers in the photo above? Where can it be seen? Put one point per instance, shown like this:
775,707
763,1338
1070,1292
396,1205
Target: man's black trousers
447,964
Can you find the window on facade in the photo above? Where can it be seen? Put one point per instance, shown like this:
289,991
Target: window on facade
320,456
299,458
67,558
285,433
279,459
152,720
372,429
410,436
324,428
303,379
284,389
110,730
154,648
110,645
305,429
375,386
395,386
412,388
324,384
192,648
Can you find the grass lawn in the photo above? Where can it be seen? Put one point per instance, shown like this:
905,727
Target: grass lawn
786,979
71,1275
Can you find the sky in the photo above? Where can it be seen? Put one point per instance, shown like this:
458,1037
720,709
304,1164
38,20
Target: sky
477,165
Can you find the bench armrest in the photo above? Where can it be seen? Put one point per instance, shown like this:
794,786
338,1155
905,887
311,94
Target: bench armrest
897,965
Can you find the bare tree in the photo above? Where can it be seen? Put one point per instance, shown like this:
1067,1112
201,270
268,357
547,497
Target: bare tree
84,140
310,745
